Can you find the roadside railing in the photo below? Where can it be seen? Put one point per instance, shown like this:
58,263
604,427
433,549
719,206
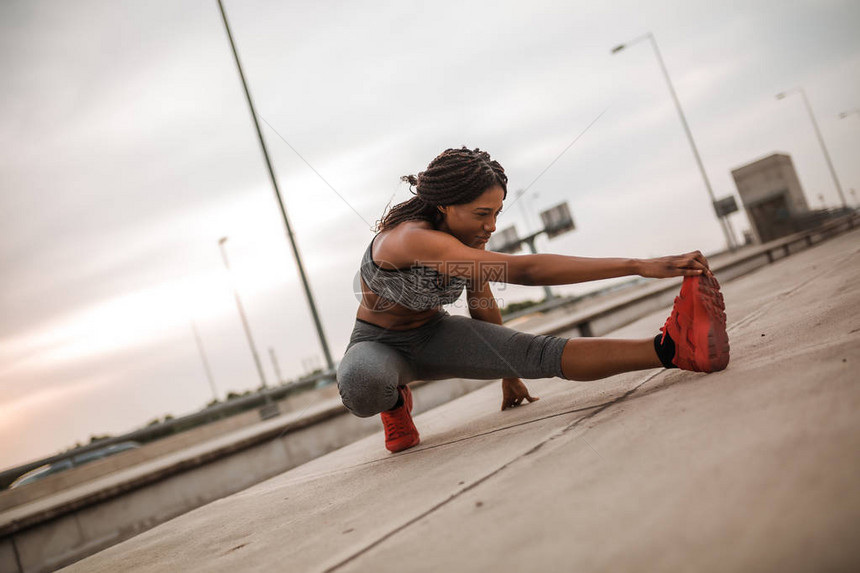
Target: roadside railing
600,319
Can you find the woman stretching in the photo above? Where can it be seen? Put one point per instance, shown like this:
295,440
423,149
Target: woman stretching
431,247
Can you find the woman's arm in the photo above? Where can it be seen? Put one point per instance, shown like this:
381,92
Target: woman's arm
446,253
482,306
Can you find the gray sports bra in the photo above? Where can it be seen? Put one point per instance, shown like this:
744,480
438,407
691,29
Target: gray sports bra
417,288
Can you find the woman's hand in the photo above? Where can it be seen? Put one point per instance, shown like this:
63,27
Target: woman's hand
514,392
687,265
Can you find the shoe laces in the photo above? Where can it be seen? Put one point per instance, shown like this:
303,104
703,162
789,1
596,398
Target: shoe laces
397,423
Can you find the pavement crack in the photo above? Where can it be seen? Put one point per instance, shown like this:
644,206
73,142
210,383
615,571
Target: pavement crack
597,407
240,546
418,517
596,410
780,297
590,446
423,448
503,428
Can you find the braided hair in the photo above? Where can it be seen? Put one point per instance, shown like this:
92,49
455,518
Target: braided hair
455,177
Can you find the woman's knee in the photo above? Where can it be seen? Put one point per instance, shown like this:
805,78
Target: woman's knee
360,404
367,385
362,400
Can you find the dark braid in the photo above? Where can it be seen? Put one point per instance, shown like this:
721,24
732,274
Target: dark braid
455,177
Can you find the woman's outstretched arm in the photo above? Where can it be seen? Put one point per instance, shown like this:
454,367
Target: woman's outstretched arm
482,306
446,253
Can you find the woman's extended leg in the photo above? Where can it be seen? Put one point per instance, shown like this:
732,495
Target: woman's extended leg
694,338
468,348
595,358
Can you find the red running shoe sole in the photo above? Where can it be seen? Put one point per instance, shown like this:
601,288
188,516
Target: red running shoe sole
709,337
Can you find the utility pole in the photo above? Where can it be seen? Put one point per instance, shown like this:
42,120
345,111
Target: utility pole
205,362
289,228
730,239
242,314
802,93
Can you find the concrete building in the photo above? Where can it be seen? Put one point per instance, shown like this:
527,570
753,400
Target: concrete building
772,196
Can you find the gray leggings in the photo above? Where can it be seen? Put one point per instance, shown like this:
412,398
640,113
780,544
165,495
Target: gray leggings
378,360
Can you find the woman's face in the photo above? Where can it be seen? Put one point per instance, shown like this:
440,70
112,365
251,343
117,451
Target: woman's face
473,223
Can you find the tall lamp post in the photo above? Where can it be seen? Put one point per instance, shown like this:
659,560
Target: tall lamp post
221,242
843,115
802,93
724,222
290,236
205,362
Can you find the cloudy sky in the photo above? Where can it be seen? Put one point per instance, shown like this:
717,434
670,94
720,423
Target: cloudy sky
127,152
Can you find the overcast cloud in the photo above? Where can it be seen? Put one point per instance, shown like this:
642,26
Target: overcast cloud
127,152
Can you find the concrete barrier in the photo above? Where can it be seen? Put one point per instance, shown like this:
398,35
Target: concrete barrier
207,421
86,473
57,530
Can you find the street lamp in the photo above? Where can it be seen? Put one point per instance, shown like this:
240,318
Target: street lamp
247,328
289,228
724,222
205,362
783,95
843,115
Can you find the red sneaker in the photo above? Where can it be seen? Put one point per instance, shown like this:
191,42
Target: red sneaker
400,432
697,325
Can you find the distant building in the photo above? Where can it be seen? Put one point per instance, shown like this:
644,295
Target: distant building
772,196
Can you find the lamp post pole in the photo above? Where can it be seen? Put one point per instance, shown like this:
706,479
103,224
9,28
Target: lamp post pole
843,115
290,236
730,240
802,93
205,362
242,314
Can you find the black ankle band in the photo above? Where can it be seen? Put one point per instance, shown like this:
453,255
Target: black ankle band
665,350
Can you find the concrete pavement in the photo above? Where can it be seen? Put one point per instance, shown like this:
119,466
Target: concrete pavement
751,469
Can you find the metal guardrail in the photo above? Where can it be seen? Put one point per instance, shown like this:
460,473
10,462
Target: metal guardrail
782,247
768,249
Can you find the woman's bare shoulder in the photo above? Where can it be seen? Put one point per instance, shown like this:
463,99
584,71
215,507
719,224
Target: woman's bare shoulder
390,244
412,226
403,230
419,243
